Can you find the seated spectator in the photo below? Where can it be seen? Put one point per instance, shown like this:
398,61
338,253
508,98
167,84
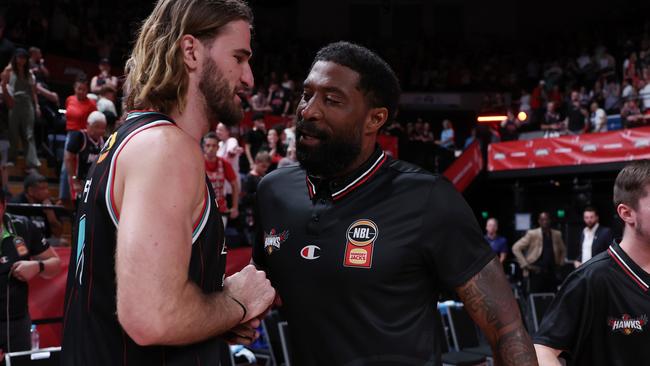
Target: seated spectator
509,128
644,93
260,102
470,139
103,78
552,124
278,99
447,135
577,115
274,147
631,115
598,118
612,94
219,171
82,150
24,255
37,191
249,194
628,90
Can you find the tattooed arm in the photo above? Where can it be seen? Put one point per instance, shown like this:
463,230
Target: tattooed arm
489,301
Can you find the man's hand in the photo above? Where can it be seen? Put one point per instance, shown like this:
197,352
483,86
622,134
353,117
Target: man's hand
489,301
25,270
250,287
234,213
245,333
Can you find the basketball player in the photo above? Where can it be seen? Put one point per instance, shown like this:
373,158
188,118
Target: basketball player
146,283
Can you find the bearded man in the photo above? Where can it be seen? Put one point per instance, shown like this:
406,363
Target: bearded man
359,245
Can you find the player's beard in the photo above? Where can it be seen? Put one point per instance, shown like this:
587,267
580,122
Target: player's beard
219,98
332,155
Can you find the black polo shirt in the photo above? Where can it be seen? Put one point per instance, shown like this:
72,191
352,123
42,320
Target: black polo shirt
359,262
600,315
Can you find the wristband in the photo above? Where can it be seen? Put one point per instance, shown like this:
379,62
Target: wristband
242,307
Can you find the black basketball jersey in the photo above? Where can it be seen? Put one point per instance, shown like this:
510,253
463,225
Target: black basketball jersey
92,334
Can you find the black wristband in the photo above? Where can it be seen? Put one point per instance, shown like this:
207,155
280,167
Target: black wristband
41,266
242,307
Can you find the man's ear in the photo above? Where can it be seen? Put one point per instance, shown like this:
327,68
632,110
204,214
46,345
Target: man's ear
626,213
377,117
191,49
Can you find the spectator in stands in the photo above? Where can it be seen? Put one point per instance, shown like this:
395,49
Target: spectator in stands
24,255
628,90
509,128
260,102
447,136
552,125
82,150
249,194
278,99
37,191
612,94
290,159
537,102
37,65
219,171
631,115
255,138
427,134
644,93
606,62
104,77
598,118
540,253
577,116
19,92
274,147
524,102
594,238
585,98
287,83
106,105
470,139
630,71
77,109
229,148
596,94
498,243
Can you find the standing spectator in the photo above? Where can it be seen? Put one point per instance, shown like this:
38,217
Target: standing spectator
274,147
509,130
577,116
24,255
427,134
255,138
104,77
540,252
552,125
219,171
447,135
77,109
249,194
82,150
594,238
19,91
498,243
37,192
631,114
37,65
598,118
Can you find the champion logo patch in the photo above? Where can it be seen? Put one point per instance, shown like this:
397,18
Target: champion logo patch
310,252
627,325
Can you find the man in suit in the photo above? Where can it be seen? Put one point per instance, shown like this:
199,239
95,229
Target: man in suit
540,253
594,238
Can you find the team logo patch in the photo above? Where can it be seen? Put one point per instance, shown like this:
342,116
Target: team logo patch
21,248
361,236
273,240
107,147
627,324
310,252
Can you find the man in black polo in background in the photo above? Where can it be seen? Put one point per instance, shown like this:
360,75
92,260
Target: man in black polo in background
594,238
37,191
359,245
600,315
25,254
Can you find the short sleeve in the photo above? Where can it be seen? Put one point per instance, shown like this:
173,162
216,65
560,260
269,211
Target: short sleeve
568,316
75,143
35,240
454,244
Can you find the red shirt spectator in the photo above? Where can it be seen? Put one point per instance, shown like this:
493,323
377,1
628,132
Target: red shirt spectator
218,172
78,107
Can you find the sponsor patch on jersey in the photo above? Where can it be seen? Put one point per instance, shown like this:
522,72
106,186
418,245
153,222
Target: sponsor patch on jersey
21,248
273,240
310,252
361,236
627,325
107,147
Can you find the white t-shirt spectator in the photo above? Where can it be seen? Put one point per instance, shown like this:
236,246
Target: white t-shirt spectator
229,150
644,94
599,121
627,92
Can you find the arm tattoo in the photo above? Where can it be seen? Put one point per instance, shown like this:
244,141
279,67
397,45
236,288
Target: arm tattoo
489,301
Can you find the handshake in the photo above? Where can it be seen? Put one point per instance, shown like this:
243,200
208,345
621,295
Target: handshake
251,291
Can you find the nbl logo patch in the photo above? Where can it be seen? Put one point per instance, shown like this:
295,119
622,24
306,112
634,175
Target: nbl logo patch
361,237
627,324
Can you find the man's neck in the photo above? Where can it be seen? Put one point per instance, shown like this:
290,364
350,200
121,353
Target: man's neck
192,120
491,235
210,158
637,249
367,148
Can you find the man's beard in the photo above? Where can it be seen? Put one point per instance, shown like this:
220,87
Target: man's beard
219,98
332,155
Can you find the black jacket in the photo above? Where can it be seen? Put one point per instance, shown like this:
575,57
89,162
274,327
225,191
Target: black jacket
602,240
